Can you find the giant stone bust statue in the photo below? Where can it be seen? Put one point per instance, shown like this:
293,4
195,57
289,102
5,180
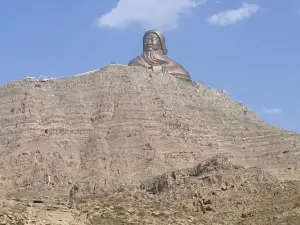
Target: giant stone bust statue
155,57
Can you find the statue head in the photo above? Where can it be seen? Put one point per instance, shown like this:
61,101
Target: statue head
154,41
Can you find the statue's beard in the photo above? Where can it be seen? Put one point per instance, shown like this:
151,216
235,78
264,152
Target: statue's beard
155,58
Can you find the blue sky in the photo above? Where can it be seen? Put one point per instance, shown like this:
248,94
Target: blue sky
249,48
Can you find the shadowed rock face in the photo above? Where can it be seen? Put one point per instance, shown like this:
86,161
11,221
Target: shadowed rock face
155,56
121,126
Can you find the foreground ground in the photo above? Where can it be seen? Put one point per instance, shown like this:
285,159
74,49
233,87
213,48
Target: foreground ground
213,192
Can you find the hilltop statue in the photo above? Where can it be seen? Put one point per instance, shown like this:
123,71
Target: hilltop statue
155,57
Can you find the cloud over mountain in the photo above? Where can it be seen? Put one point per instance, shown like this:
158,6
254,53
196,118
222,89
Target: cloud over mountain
231,16
272,111
163,15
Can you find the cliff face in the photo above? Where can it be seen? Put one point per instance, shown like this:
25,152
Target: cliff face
123,125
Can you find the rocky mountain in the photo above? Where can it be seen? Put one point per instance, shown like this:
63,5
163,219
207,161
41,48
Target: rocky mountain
127,134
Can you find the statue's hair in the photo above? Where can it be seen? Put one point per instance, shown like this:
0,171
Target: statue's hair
161,38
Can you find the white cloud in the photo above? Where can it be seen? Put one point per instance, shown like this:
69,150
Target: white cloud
232,16
156,14
272,111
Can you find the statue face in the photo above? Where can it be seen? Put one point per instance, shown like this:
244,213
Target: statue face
151,42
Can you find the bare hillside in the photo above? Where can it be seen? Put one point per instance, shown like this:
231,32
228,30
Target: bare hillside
121,126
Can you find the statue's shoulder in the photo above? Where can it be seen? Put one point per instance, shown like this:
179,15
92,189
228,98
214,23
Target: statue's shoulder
173,63
134,62
137,61
177,70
